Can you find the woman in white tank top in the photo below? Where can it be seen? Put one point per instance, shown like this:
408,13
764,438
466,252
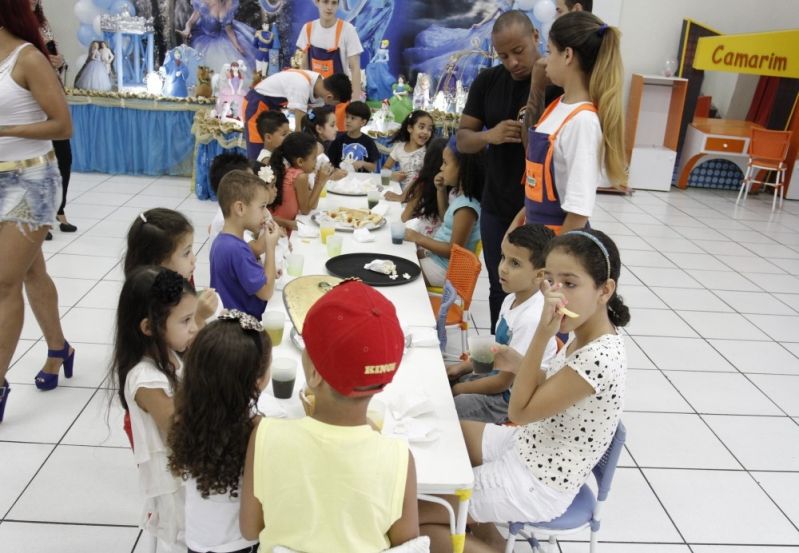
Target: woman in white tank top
33,112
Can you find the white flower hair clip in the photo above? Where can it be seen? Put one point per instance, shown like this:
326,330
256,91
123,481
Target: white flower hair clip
266,174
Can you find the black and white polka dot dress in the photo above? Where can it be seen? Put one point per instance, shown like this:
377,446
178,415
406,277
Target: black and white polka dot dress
561,450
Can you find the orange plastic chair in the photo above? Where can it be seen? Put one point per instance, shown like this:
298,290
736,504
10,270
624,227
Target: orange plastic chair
463,271
767,152
478,250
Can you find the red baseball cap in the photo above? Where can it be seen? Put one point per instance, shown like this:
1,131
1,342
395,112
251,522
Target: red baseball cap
354,339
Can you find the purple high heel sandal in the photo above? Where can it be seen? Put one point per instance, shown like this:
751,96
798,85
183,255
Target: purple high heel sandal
46,381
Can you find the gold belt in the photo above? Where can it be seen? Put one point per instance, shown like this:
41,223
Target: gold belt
6,166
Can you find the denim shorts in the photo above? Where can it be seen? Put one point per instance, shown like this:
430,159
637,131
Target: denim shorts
28,196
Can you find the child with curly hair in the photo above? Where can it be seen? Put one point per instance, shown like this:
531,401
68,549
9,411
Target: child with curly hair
227,367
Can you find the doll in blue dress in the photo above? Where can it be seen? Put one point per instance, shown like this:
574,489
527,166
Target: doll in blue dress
378,76
94,74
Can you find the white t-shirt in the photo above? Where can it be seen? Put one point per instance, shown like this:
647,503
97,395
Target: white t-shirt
578,165
163,492
349,44
562,449
292,86
409,162
212,524
522,321
264,156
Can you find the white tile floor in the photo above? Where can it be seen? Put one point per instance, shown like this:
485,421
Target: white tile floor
712,461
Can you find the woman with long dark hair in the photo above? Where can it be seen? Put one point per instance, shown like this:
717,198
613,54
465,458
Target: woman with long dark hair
63,150
33,112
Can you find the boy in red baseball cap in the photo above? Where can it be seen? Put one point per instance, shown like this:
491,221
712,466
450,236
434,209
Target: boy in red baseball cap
329,482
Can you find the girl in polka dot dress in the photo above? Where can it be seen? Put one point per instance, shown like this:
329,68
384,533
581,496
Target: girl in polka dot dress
566,415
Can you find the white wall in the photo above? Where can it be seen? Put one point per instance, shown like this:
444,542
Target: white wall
61,15
651,32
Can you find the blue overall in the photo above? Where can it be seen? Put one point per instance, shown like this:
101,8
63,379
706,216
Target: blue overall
327,62
541,201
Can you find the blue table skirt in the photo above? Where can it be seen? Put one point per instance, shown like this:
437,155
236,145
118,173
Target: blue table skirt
130,141
202,164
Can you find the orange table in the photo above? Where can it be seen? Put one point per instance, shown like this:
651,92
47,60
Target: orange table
715,138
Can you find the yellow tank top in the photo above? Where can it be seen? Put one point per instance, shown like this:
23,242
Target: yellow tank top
327,488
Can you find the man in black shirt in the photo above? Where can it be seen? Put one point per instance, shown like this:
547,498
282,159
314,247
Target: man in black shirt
491,122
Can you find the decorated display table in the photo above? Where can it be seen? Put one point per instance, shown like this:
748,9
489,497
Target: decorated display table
133,134
211,138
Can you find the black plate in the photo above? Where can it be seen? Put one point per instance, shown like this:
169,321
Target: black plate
351,265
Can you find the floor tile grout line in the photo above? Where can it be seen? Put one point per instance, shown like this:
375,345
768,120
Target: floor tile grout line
706,340
749,473
662,505
57,444
59,523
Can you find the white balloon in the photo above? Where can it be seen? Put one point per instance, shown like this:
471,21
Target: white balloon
545,28
545,11
525,5
96,25
86,11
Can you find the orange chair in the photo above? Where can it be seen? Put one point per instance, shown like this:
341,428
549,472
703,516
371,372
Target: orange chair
439,290
767,152
462,273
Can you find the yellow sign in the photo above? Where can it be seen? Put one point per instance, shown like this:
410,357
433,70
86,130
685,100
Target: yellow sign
775,54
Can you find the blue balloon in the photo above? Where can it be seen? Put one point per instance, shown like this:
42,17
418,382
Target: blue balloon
103,4
119,6
86,34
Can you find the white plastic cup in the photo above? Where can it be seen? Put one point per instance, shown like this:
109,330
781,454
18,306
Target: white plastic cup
481,354
385,177
273,324
372,198
334,245
294,264
397,232
284,373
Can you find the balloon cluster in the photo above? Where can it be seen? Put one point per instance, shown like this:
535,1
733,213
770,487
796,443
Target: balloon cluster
543,13
89,12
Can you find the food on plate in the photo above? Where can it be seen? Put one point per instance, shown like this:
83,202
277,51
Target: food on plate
355,218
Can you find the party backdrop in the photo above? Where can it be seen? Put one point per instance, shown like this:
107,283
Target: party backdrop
448,39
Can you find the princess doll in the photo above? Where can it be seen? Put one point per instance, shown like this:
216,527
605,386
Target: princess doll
421,94
379,76
232,87
106,56
93,74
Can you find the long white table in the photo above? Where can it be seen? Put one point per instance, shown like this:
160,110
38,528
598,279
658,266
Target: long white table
442,465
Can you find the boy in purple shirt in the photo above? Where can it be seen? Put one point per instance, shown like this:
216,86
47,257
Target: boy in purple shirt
236,274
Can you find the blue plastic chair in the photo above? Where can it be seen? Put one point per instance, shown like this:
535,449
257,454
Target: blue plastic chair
584,512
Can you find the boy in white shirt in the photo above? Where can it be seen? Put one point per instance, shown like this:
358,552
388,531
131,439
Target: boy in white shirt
331,46
485,397
292,89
